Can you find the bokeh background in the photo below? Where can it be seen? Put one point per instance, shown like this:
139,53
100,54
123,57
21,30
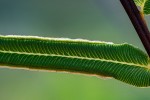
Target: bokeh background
103,20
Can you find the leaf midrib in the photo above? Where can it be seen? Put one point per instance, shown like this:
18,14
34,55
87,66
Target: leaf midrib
142,6
77,57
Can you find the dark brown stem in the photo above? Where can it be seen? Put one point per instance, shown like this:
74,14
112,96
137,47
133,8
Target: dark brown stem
138,22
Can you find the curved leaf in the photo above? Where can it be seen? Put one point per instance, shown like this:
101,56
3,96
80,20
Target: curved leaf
144,5
120,61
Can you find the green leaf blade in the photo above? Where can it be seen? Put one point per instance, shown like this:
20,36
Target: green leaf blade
147,7
74,47
120,61
144,5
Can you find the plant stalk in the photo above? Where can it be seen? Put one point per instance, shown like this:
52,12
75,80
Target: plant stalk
138,22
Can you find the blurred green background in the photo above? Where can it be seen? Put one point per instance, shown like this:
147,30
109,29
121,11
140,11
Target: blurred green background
103,20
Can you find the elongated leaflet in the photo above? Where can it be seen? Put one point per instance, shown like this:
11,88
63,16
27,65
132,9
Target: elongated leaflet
121,61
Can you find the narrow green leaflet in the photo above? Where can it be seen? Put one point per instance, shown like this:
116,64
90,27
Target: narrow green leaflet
123,62
144,5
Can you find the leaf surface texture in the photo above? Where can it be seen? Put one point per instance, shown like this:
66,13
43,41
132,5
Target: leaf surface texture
144,5
123,62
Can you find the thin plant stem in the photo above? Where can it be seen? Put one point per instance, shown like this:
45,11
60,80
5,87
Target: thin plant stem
138,22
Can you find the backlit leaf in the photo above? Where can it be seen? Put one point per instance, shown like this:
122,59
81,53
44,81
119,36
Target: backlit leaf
144,5
123,62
